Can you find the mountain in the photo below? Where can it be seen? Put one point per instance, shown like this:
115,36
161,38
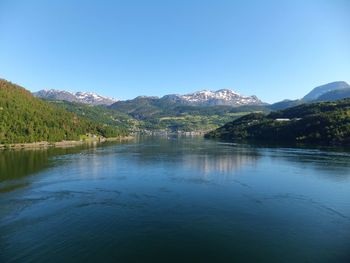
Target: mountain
321,90
170,114
328,92
200,98
335,95
202,102
319,123
203,110
210,98
25,118
82,97
146,105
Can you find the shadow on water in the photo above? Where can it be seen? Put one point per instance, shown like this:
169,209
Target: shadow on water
16,165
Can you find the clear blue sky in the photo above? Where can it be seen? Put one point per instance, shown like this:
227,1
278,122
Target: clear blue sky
273,49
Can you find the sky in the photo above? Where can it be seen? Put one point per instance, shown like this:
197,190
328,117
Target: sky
272,49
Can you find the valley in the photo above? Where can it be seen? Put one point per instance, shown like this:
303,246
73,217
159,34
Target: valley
61,115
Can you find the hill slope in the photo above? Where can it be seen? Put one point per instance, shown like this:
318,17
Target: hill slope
323,123
25,118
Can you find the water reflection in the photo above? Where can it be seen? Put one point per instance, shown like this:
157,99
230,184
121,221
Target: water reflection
220,163
194,153
334,165
202,156
16,165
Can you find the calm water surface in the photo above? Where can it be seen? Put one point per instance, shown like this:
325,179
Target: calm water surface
175,200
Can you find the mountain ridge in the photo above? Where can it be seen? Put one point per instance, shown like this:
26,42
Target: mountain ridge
320,90
202,98
198,98
91,98
219,97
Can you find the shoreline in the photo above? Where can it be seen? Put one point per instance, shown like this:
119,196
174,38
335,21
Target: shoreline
61,144
179,133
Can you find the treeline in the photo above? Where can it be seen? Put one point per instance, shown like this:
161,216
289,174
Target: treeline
24,118
320,123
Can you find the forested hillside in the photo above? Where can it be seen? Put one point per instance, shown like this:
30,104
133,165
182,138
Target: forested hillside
98,113
322,123
24,118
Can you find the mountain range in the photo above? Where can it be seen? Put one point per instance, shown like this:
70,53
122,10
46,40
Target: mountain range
223,97
198,111
213,98
199,98
81,97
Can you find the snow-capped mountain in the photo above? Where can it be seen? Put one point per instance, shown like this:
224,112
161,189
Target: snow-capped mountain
82,97
94,99
210,98
199,98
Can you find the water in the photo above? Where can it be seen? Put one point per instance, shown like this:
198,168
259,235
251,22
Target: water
175,200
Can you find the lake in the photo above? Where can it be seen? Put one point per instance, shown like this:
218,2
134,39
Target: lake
168,199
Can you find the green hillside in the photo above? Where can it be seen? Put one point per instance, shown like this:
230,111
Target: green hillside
24,118
322,123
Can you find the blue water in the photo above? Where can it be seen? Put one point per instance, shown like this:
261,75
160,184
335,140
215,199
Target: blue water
175,200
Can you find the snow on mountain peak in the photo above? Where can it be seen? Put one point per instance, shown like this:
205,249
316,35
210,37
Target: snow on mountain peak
198,98
81,97
219,97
